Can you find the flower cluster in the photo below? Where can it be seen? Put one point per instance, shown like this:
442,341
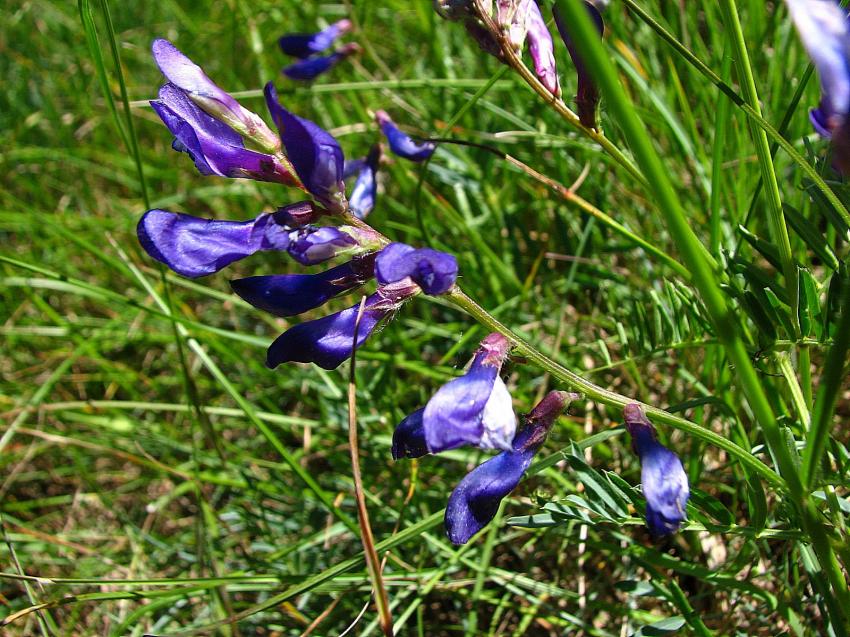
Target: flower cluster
824,28
216,132
308,48
665,484
476,409
516,23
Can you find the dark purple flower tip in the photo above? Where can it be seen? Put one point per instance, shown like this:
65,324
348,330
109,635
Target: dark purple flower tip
474,502
542,50
195,247
409,437
820,122
587,96
328,341
402,144
314,153
303,45
365,189
434,271
475,408
296,215
189,77
663,478
215,148
310,68
311,245
292,294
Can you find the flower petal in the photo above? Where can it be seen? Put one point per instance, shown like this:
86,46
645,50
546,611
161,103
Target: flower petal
315,154
409,437
302,45
292,294
402,144
365,190
542,50
311,245
587,96
195,247
188,76
311,68
328,341
434,271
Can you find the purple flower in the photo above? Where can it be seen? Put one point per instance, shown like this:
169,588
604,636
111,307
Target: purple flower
311,245
665,484
365,189
409,437
475,408
314,153
512,16
292,294
587,96
215,148
303,45
329,341
542,50
474,502
195,247
310,68
400,143
189,77
435,272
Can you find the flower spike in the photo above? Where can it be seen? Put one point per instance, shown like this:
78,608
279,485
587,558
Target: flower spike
190,77
475,408
195,247
215,148
434,271
293,294
587,96
314,153
402,144
311,68
303,45
474,502
665,483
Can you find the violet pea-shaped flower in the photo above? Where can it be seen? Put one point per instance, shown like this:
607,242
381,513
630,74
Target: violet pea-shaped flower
303,45
194,247
542,50
475,500
365,189
189,77
401,143
215,148
311,245
291,294
587,95
409,437
311,68
663,479
329,341
314,153
434,271
474,409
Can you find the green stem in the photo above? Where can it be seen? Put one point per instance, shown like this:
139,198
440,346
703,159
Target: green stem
604,396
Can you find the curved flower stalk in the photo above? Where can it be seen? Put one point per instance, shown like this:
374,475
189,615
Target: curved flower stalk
310,68
304,45
474,409
475,500
664,481
824,29
402,144
587,95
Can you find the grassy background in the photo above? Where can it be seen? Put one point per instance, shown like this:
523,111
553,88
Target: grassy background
112,470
